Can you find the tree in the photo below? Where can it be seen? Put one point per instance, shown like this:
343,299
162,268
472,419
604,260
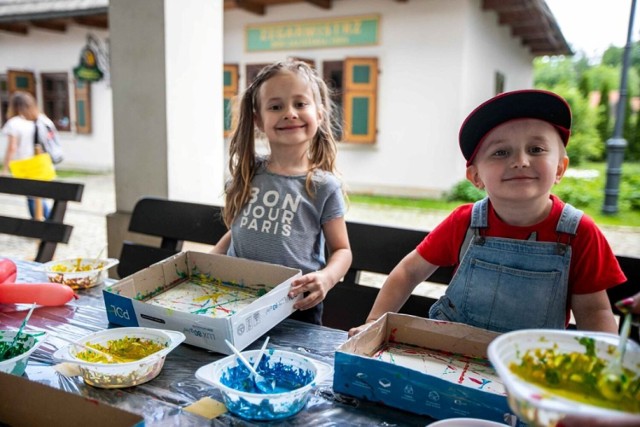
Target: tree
604,113
552,71
633,147
585,144
584,86
627,128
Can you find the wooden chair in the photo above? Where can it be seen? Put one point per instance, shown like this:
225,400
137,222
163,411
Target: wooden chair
174,222
631,268
376,249
51,231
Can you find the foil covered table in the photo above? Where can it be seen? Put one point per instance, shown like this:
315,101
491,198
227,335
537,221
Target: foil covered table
162,400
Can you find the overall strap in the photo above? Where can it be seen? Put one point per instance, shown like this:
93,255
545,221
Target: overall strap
480,214
479,219
569,220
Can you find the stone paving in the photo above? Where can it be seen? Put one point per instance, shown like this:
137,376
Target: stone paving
89,235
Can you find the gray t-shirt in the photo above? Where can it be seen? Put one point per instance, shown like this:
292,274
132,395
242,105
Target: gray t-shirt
282,224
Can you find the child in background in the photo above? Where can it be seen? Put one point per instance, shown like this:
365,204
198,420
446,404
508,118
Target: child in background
281,208
21,131
524,259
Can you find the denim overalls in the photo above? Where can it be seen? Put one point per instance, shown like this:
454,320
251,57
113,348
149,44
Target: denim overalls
506,284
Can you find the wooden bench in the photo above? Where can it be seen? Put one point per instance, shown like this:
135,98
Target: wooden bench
174,222
379,248
51,231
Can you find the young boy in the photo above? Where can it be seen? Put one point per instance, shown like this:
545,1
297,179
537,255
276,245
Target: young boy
524,259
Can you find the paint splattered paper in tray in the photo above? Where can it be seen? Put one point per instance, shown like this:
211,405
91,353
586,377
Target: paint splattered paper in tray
209,297
470,371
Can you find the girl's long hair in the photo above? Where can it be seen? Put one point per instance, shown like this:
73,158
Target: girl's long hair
23,104
242,155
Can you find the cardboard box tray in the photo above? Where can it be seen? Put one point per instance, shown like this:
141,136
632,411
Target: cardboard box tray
424,366
207,297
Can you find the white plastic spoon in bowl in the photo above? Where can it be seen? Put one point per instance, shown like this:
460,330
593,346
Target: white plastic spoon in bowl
261,382
612,377
256,363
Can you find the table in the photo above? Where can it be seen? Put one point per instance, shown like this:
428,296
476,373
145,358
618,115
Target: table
161,400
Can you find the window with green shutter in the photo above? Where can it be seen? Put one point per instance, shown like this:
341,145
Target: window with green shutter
360,98
230,80
21,80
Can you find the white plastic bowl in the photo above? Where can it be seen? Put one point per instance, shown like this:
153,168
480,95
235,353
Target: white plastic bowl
120,375
93,276
28,342
536,405
229,372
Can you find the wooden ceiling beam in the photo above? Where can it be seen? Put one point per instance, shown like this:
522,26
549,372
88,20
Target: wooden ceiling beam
50,24
324,4
251,6
96,21
529,30
505,5
516,17
17,28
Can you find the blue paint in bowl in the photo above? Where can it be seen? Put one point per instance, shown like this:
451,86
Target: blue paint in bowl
295,376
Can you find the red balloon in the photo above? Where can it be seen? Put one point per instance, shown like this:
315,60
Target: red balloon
48,294
8,271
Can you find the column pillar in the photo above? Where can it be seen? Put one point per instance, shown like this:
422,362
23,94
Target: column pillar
166,76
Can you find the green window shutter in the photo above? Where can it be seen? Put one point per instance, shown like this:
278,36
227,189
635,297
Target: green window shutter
83,106
360,116
21,80
230,91
361,74
227,114
82,121
360,99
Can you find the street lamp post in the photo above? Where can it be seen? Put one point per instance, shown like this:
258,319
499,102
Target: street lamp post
616,144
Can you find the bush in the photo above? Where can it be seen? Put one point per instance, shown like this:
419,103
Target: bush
573,191
630,191
464,191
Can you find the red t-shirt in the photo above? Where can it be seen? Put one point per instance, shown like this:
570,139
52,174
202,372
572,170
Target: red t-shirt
594,267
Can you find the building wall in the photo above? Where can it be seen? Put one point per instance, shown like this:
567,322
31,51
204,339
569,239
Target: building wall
437,61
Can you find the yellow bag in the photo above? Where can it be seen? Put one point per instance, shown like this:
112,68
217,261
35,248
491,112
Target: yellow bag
38,167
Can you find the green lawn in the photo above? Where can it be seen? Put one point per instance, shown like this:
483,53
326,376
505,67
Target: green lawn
585,193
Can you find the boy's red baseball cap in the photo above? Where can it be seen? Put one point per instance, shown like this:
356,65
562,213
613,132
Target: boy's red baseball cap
507,106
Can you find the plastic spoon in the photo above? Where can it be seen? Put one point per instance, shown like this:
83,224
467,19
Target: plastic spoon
15,338
261,382
110,357
259,358
611,382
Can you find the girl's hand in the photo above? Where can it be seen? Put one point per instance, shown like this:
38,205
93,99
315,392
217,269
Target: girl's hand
356,331
317,284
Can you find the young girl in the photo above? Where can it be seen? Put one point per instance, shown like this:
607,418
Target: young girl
280,208
20,130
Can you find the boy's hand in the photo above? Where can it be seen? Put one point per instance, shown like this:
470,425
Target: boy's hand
317,284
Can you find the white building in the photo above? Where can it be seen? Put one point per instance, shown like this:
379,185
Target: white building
157,117
436,59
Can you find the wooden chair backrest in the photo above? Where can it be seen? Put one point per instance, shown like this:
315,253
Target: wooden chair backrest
51,231
174,222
